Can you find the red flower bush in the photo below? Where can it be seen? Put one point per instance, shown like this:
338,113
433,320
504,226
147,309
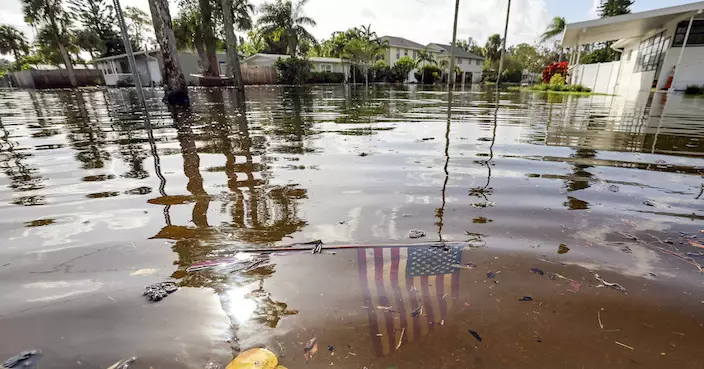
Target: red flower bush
553,69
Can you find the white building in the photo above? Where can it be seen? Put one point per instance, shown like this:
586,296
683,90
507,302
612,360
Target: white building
470,64
320,64
662,48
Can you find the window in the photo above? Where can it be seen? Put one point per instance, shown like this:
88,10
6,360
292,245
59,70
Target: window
630,55
459,61
479,62
651,53
398,55
325,67
696,35
405,52
415,54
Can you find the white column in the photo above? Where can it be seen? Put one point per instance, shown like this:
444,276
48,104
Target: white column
679,59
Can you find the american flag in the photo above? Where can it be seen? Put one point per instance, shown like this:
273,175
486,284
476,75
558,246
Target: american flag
396,281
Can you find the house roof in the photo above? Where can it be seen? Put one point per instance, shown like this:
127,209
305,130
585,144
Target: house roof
624,26
459,52
317,59
402,42
120,56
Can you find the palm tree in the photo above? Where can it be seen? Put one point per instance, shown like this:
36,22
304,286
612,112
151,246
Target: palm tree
242,14
175,90
52,13
233,61
364,53
288,20
12,41
555,28
425,57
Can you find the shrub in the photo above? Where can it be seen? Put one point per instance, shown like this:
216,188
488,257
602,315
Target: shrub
512,75
380,72
557,79
404,66
326,77
694,90
553,69
293,71
429,74
559,87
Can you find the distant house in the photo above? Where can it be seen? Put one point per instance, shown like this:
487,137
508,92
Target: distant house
116,68
320,64
400,47
662,48
470,64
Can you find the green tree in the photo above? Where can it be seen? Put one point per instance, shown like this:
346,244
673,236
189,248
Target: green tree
554,29
13,42
139,24
425,57
285,20
188,33
527,57
404,66
363,53
493,50
233,60
97,18
51,13
175,89
48,46
612,8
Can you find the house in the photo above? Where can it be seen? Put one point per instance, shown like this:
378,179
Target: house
470,64
659,48
116,68
320,64
398,48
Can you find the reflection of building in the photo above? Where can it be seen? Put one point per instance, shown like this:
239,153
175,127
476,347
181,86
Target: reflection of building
651,44
407,289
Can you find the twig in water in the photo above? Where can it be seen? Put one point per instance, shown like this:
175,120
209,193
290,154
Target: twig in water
598,317
624,345
615,286
400,340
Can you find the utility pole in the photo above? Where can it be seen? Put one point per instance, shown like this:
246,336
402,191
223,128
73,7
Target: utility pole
130,54
503,48
451,74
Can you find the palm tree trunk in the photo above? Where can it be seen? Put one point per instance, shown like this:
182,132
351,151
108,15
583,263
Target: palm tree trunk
209,38
203,61
175,90
366,78
64,56
233,60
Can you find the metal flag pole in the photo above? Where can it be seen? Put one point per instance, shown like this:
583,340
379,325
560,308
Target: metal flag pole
503,48
451,73
130,55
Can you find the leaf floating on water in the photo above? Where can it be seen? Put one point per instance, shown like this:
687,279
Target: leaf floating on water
537,271
476,335
526,298
310,349
416,312
563,249
696,244
490,275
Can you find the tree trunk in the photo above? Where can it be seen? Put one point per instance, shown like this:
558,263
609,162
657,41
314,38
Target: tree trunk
64,56
175,90
203,61
209,38
366,78
233,60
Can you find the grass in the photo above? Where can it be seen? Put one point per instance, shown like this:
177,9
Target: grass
574,90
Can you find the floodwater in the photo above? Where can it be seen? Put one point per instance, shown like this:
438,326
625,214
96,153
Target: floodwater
96,202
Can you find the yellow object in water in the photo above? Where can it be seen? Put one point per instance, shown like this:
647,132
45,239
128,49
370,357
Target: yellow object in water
256,358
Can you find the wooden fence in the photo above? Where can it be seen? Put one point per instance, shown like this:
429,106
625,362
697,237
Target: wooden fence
252,75
56,78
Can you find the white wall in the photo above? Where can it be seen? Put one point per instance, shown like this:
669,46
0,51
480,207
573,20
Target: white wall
600,77
690,71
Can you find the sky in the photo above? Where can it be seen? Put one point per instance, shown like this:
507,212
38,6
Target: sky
422,21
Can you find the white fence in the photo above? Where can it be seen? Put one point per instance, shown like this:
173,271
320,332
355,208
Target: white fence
600,77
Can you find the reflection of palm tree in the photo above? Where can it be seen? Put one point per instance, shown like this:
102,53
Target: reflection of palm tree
86,135
22,176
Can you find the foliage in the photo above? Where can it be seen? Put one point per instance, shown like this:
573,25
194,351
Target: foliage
555,28
603,54
47,45
527,57
493,48
334,47
612,8
139,24
293,70
325,77
363,52
694,90
98,35
187,29
470,45
404,66
287,22
560,88
557,79
428,74
13,42
554,68
512,75
425,57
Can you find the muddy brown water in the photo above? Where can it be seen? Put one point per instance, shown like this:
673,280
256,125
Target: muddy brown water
95,204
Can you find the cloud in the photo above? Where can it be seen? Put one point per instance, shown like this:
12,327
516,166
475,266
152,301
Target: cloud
594,10
366,13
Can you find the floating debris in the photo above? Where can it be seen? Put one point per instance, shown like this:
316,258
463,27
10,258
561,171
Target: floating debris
648,203
417,311
331,349
254,358
615,286
537,271
563,249
696,254
490,275
310,349
466,266
526,298
416,233
427,138
123,364
624,345
363,154
400,340
26,359
475,335
696,244
158,291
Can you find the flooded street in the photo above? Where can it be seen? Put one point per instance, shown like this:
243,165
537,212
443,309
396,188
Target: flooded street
592,207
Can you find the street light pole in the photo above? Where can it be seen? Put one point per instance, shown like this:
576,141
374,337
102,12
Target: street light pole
503,48
451,74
